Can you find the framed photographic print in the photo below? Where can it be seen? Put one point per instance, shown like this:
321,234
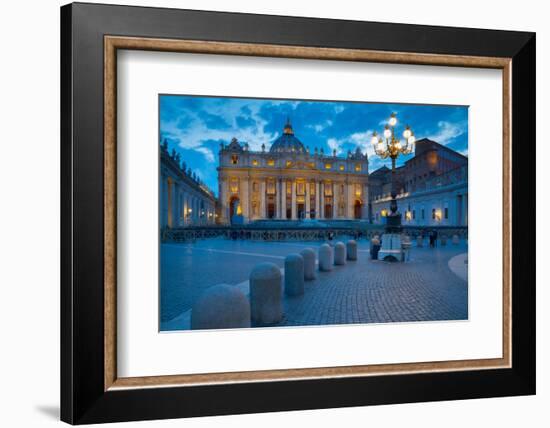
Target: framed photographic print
265,213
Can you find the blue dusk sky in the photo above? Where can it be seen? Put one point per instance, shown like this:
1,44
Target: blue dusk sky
195,126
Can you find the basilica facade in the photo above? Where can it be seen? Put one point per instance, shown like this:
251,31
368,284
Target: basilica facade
289,182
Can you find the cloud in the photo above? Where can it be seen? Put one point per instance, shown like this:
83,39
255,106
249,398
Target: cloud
215,120
350,142
447,132
320,127
207,153
334,144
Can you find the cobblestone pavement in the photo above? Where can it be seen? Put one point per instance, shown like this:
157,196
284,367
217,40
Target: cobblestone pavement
364,291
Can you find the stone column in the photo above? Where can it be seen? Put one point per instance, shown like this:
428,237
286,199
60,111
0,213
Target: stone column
350,205
283,199
244,198
224,208
317,196
365,199
307,199
335,200
263,214
293,199
322,200
278,198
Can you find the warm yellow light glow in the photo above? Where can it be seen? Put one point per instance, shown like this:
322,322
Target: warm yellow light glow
438,215
408,215
328,166
288,164
384,213
239,210
271,162
358,167
341,167
255,162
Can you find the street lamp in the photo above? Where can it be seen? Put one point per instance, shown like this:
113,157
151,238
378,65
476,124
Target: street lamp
391,147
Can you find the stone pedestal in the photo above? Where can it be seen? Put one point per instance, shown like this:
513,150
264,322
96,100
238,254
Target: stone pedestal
221,306
326,258
351,249
266,294
294,275
308,255
391,249
339,254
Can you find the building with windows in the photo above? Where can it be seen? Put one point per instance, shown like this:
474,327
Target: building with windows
432,188
288,182
184,199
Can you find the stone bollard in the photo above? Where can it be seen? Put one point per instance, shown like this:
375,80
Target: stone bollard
339,254
266,294
309,263
351,249
326,258
443,240
294,275
419,241
456,240
221,306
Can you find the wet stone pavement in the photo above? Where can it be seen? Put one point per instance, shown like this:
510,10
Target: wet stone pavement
362,291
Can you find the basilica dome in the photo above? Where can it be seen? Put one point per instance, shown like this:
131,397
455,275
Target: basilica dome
287,143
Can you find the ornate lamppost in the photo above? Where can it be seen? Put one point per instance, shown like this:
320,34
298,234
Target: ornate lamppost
391,146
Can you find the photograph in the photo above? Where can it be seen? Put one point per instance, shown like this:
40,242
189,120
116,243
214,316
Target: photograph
293,212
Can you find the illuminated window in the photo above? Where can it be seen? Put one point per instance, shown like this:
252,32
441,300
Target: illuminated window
255,162
234,185
288,164
357,190
289,188
300,188
342,167
234,159
328,166
357,167
384,213
271,162
270,187
328,189
312,188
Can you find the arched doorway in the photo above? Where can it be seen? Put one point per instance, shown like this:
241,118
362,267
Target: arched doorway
328,211
234,207
301,209
357,207
270,206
